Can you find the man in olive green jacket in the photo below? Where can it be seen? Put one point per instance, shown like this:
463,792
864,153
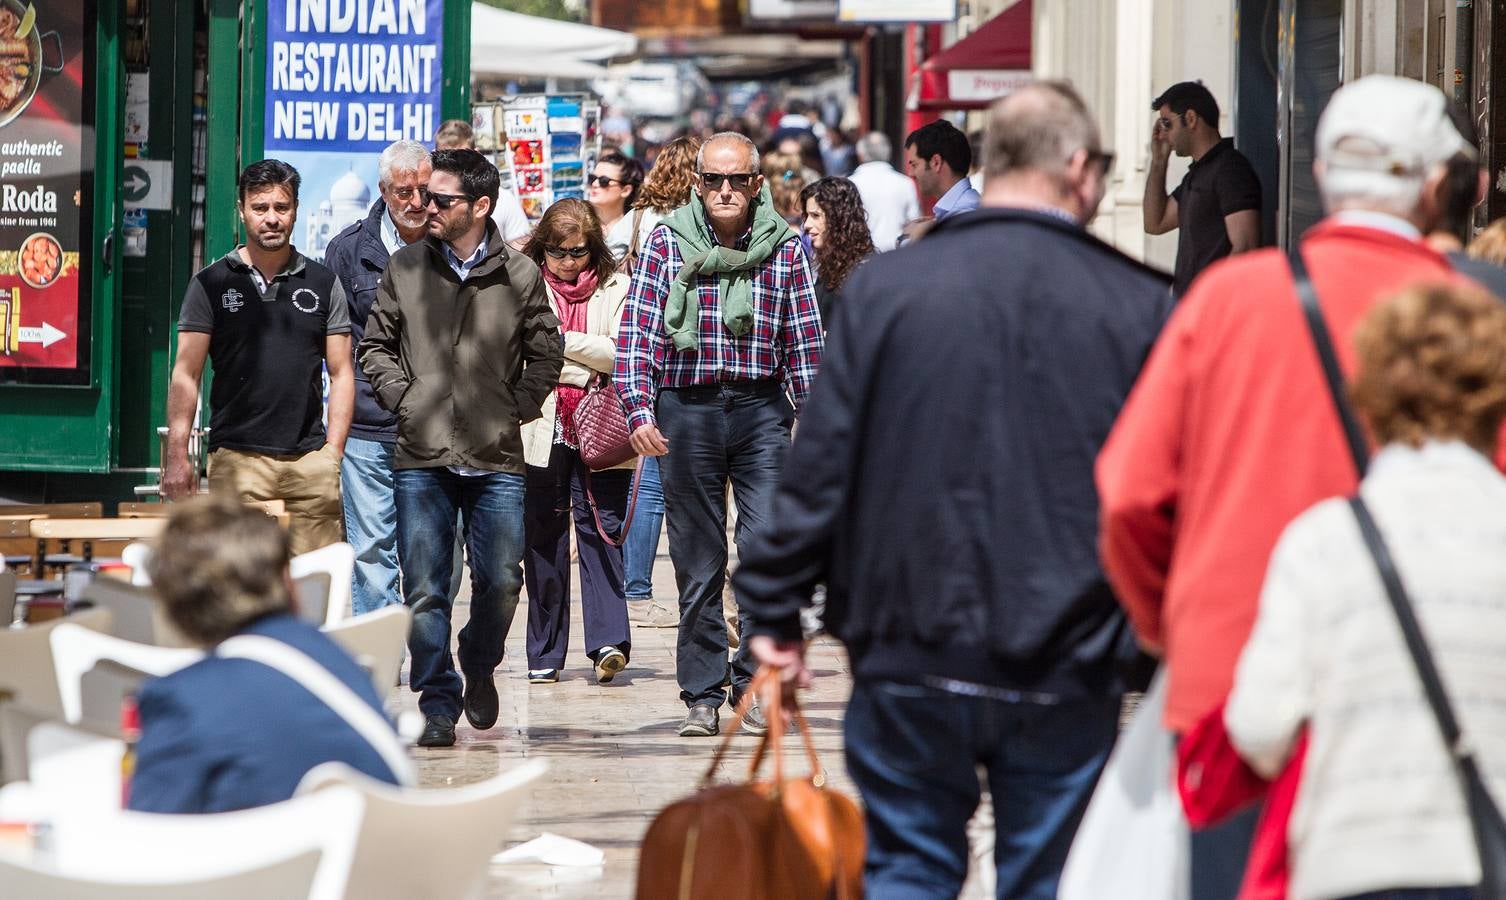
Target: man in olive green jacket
463,347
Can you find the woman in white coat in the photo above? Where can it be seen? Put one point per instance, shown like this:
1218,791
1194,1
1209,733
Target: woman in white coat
588,296
1379,810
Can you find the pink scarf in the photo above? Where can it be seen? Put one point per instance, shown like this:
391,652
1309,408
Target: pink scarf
571,302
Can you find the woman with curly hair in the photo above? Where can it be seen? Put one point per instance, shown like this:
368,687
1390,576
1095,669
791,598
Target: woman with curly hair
667,187
589,295
837,226
1379,809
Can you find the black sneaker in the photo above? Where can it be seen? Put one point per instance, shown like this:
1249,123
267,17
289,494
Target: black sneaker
700,721
481,702
439,731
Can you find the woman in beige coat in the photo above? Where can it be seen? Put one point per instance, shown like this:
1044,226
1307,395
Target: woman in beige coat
588,296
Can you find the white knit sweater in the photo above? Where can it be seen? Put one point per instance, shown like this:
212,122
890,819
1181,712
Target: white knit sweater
1379,805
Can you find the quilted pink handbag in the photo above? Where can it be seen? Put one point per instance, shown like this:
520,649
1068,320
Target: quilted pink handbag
602,426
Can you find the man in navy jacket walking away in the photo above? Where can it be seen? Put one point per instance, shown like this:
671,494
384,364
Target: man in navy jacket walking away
941,486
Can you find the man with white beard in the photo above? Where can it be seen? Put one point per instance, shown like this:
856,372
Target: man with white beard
358,256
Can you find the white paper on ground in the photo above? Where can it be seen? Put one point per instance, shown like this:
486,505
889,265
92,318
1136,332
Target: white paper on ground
551,850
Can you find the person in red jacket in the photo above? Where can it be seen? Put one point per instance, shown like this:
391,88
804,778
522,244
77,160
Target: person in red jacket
1229,433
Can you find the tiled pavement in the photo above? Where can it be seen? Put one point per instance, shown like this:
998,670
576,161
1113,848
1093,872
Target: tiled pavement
614,756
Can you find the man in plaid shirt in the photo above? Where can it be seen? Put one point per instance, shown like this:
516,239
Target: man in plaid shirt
721,334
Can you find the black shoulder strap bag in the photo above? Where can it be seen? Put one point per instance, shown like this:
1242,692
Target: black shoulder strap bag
1484,816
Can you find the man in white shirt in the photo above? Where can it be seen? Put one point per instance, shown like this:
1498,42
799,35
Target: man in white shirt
888,197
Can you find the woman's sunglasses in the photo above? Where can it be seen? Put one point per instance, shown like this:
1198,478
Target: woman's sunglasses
713,180
562,252
603,180
443,201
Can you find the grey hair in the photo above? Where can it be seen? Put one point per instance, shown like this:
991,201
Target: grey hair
728,137
1038,127
401,156
875,145
1351,181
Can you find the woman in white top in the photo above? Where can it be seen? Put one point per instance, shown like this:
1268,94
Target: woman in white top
1379,809
589,296
668,186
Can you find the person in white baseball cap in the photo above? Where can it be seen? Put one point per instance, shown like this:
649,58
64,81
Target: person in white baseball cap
1381,141
1229,433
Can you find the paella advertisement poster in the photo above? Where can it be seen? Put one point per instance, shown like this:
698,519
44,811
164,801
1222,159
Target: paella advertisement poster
42,147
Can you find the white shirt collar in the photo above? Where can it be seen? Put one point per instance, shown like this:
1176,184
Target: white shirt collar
1366,218
954,195
1400,458
463,267
390,237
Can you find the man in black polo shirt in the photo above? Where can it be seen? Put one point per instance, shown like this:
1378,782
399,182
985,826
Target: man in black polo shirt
268,319
1217,206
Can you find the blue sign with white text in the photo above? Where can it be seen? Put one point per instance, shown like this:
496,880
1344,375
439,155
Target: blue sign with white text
352,76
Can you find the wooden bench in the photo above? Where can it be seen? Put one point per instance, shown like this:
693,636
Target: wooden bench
274,508
96,537
54,510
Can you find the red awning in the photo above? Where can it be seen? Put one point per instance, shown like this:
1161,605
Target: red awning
980,68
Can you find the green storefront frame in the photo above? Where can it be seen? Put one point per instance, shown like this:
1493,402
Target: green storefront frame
103,435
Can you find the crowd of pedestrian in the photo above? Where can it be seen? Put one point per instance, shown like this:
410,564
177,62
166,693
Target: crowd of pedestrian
1029,469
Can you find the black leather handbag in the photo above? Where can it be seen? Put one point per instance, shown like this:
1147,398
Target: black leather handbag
1484,815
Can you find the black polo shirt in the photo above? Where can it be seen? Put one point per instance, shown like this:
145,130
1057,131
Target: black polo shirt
267,349
1220,184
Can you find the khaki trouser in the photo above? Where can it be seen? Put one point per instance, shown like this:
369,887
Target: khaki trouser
309,486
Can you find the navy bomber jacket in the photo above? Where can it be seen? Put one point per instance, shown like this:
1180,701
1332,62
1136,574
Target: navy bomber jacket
941,481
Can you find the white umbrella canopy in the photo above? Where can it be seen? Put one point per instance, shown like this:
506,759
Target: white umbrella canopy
510,43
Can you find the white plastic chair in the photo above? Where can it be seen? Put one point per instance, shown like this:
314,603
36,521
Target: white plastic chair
77,650
291,877
72,769
133,847
430,843
137,614
376,640
27,672
322,578
136,555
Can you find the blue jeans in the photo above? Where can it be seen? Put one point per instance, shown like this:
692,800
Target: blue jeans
913,750
491,507
717,433
370,523
642,544
1220,853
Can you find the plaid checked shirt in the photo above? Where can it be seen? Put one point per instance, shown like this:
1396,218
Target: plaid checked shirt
785,341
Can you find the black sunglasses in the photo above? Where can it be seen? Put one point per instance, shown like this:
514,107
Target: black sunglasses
1105,161
443,201
603,180
562,252
713,180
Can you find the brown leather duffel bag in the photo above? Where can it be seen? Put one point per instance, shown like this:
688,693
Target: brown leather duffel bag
785,839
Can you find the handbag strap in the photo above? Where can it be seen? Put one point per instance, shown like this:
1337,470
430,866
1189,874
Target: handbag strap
630,259
1308,295
627,520
766,681
1396,593
1411,630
